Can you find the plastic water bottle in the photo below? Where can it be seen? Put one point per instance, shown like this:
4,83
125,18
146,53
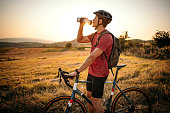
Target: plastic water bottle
86,20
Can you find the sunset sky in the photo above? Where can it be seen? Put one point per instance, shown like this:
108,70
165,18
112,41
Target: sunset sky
56,19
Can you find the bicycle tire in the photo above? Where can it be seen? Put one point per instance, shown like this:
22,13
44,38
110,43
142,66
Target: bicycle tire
139,98
59,105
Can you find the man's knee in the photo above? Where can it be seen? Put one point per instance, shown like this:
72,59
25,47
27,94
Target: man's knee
89,94
97,101
97,104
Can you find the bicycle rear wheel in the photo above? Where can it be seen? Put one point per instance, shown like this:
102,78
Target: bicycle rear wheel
141,102
59,105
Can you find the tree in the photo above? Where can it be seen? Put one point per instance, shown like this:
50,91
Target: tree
161,39
68,45
122,39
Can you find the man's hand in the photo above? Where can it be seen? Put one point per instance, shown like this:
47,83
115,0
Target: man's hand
73,74
82,22
80,37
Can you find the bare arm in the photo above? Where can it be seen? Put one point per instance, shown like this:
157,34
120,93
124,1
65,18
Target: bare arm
90,59
80,37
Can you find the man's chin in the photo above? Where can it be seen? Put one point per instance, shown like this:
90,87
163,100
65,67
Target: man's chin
93,25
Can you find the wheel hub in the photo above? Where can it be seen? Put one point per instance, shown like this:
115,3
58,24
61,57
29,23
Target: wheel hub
131,109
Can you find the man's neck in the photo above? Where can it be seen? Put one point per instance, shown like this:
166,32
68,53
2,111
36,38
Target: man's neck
100,29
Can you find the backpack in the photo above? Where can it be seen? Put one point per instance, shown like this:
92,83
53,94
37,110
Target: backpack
115,52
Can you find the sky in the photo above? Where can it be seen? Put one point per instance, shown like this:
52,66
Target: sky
55,20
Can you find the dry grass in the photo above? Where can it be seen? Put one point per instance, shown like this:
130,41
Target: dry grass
25,83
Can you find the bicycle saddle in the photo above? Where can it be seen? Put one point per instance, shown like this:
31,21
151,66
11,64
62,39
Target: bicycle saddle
120,66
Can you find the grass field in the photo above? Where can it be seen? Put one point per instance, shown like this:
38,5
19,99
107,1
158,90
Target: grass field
26,74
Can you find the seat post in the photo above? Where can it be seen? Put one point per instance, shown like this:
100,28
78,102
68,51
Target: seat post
116,73
112,72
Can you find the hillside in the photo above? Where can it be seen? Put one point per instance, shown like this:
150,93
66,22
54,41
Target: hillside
31,43
16,40
21,44
39,43
27,73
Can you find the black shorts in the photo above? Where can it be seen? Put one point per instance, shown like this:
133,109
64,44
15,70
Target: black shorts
97,85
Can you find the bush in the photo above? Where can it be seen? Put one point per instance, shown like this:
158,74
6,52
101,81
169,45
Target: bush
161,39
68,45
161,53
149,52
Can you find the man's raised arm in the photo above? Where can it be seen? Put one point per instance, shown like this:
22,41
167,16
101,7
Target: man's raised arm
80,37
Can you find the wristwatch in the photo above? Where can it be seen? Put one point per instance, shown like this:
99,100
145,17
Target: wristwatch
77,71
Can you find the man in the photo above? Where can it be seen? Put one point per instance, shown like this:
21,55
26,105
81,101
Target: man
97,63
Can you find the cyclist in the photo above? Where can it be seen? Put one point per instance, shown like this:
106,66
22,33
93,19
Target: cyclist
97,63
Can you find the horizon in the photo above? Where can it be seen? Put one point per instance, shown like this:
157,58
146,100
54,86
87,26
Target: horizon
52,19
38,40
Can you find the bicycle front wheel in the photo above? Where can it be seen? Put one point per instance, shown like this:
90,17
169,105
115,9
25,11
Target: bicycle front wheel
140,102
59,105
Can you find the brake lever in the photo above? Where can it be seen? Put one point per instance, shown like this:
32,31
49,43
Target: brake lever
60,77
65,77
58,74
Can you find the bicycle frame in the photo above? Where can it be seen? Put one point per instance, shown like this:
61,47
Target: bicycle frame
77,91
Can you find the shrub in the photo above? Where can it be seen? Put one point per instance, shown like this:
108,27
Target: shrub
149,52
68,45
161,39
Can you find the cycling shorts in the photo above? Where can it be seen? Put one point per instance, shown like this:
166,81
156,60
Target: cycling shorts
96,86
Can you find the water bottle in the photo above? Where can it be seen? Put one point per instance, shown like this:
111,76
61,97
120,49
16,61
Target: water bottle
86,20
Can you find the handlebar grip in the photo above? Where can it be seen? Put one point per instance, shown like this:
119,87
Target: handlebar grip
70,77
65,77
66,72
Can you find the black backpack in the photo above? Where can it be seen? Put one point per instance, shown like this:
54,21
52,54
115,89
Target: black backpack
115,52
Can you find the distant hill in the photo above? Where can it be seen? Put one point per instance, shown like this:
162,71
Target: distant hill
139,40
16,40
73,42
21,44
31,43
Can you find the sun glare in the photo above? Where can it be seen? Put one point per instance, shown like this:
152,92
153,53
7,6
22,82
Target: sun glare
57,21
70,25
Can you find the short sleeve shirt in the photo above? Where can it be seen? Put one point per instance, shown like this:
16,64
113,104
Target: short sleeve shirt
99,68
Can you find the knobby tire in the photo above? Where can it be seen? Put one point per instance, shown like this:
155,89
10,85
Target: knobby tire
138,97
59,105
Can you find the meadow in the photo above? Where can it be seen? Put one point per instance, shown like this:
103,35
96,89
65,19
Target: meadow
26,76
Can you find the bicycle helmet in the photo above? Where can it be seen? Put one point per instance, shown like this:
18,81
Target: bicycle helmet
106,16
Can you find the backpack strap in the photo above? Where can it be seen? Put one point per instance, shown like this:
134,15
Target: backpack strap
113,46
104,32
93,37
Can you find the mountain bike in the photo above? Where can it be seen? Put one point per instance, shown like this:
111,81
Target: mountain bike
129,100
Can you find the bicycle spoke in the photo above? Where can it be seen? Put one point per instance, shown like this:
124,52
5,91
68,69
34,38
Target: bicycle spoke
141,103
121,110
60,104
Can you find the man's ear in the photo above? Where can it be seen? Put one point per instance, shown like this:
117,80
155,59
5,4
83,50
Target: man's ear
100,21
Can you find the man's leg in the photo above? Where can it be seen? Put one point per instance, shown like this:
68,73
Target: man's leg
97,105
90,108
97,93
89,94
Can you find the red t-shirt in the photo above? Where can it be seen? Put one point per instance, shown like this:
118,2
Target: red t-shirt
99,68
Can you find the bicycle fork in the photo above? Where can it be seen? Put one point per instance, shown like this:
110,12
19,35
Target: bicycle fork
76,90
72,97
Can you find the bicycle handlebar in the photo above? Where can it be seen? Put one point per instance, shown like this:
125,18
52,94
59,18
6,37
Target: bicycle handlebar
65,75
62,74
